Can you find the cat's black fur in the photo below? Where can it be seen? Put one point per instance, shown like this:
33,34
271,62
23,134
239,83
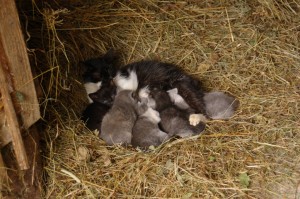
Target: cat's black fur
156,74
103,68
102,102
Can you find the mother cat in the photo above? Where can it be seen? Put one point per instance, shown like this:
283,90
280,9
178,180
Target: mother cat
156,74
166,76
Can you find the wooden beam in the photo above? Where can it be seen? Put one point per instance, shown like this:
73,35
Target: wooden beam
15,50
12,122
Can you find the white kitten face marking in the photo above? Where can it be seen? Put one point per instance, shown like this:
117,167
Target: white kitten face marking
152,115
92,87
126,83
177,99
195,119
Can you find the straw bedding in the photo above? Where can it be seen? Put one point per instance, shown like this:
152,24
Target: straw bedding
247,48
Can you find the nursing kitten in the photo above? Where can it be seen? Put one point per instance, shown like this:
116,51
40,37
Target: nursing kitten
117,124
102,102
146,132
174,121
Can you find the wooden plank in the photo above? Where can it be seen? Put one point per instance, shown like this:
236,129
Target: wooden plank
16,52
25,184
12,122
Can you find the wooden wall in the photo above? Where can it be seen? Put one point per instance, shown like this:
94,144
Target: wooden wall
19,107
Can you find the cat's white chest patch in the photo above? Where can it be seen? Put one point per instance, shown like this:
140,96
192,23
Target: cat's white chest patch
91,87
126,83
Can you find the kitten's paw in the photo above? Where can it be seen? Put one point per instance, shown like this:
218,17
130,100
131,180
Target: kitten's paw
195,119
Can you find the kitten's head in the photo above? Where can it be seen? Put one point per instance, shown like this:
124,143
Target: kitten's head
101,68
162,99
126,96
105,95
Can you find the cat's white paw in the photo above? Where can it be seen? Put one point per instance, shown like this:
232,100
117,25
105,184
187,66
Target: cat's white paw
195,119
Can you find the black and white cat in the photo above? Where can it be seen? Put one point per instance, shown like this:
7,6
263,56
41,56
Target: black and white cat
166,76
182,93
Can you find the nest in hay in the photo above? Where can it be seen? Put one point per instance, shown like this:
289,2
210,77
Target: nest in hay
247,48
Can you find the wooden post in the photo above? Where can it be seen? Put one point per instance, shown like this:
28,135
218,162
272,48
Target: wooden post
15,76
12,122
15,50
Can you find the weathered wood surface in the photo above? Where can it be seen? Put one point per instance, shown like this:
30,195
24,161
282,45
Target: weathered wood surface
17,62
24,184
12,122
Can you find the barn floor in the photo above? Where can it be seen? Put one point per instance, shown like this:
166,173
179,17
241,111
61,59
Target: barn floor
248,48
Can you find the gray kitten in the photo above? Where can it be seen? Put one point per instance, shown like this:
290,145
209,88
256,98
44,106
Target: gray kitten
117,124
146,131
175,121
219,105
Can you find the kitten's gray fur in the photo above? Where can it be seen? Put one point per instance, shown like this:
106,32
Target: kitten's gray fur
117,124
219,105
174,120
146,131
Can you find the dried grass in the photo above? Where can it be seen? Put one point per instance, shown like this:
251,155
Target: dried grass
248,48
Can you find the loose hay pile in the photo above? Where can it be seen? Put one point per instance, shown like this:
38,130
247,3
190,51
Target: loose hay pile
248,48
